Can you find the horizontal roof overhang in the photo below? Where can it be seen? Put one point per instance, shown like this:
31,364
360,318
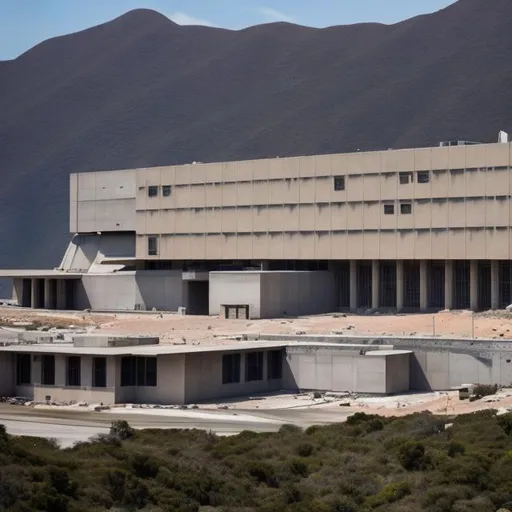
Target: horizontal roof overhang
39,274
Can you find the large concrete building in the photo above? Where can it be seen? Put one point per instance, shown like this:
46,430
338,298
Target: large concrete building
415,229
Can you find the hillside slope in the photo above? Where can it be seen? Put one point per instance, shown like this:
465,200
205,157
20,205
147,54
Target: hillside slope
142,91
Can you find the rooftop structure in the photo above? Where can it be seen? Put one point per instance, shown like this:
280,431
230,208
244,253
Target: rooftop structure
417,229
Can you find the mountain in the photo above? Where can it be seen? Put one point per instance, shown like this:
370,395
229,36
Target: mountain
141,91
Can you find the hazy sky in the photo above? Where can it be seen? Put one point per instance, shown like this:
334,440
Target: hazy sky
24,23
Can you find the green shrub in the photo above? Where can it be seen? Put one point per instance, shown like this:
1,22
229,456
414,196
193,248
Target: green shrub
389,494
121,429
305,449
411,456
481,390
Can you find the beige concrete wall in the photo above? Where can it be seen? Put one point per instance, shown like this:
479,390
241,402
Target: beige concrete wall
235,288
102,201
397,373
162,290
339,369
296,293
203,378
288,208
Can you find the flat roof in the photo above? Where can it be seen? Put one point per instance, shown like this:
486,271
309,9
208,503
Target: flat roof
388,352
139,350
35,273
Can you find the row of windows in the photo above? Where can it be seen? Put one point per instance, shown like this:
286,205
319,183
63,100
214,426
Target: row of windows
138,371
231,364
154,190
422,177
73,370
405,209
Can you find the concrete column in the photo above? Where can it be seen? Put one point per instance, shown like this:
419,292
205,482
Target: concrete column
448,284
399,285
375,284
495,284
353,285
61,294
473,285
47,294
34,294
423,285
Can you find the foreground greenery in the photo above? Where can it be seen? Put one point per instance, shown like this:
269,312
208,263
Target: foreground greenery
369,463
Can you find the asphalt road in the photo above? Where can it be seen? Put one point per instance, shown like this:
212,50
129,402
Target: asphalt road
68,427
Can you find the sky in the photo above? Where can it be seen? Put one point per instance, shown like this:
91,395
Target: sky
25,23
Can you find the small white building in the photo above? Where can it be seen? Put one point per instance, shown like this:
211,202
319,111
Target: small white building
117,369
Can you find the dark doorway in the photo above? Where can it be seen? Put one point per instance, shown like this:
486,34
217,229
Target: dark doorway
411,284
484,285
364,284
40,293
505,283
436,278
70,294
387,289
461,297
198,298
26,293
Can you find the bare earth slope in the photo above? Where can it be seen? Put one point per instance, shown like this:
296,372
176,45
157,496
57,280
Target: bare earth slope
141,91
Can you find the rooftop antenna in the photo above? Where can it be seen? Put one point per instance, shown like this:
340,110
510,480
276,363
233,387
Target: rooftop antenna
503,137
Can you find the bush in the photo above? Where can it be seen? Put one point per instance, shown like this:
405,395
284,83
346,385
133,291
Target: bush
305,449
121,429
391,493
481,390
411,456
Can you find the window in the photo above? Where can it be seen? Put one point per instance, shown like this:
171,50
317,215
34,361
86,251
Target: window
152,191
146,371
230,368
99,372
73,377
253,366
275,364
23,369
339,182
166,190
152,246
389,209
128,371
406,208
423,176
405,178
48,371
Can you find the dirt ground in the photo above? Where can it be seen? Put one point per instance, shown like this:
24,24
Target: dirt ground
173,328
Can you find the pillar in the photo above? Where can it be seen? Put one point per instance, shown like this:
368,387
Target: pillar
47,293
34,294
495,284
448,284
423,285
61,294
353,285
399,285
473,285
375,284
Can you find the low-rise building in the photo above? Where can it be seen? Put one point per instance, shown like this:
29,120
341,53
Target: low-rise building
110,369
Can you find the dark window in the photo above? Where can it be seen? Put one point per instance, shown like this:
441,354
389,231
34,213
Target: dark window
423,176
230,368
405,177
23,369
48,371
146,371
253,366
152,191
275,364
152,246
74,371
406,208
389,209
99,372
128,371
339,182
166,190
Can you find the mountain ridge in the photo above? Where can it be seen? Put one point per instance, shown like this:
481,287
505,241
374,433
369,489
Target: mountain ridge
141,91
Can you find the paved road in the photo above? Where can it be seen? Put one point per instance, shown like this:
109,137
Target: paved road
68,427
